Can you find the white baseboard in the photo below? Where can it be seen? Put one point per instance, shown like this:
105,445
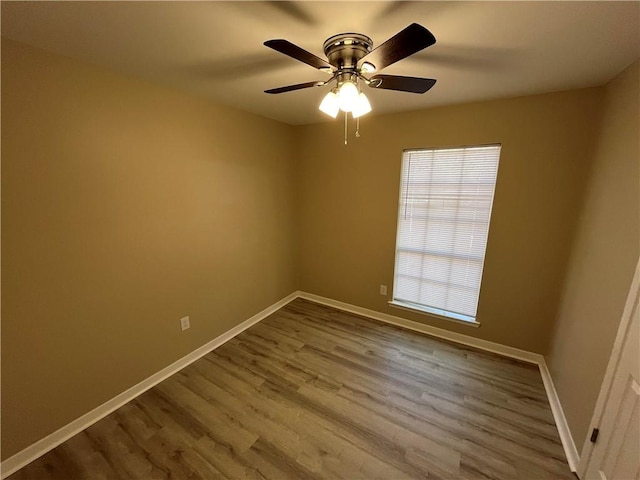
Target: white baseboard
29,454
22,458
429,330
530,357
566,438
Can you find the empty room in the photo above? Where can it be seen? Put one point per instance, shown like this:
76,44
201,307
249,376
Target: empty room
320,240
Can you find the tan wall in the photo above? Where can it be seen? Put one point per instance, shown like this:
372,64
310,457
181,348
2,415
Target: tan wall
604,256
348,200
126,206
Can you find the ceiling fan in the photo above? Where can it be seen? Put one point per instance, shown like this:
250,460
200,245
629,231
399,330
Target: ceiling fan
350,56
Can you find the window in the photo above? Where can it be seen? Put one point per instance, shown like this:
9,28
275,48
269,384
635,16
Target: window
443,223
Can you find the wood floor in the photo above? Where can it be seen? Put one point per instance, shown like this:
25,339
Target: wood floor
315,393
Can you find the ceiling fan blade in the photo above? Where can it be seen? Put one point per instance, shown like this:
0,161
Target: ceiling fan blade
288,48
404,43
402,84
298,86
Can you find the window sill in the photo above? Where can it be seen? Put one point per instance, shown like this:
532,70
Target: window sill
432,312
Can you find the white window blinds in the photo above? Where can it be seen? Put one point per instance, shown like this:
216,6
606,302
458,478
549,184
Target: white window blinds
443,224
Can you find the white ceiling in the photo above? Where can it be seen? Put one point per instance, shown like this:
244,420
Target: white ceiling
484,50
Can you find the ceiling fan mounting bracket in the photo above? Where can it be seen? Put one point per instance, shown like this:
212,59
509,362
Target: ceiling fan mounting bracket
344,50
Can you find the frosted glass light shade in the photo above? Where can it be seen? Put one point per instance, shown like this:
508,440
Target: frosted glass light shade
330,105
348,96
361,107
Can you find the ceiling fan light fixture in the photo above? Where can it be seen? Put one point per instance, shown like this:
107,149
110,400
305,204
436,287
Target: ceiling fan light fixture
351,55
362,106
348,96
330,104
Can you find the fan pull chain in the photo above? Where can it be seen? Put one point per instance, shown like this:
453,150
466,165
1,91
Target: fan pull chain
345,127
358,127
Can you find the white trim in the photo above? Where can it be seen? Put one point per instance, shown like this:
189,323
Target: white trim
614,359
566,438
428,329
554,401
39,448
434,312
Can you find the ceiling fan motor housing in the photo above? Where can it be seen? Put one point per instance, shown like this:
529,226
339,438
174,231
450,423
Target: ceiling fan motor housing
344,50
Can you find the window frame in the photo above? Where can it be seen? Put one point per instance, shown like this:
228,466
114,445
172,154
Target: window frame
428,309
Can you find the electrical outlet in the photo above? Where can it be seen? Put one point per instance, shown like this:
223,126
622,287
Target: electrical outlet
383,289
184,323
